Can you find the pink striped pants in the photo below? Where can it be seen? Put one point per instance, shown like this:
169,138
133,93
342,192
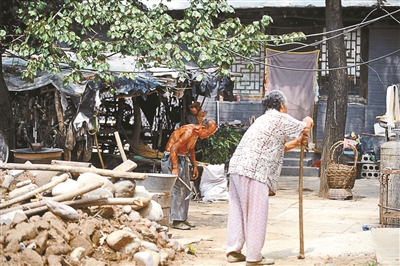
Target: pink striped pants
247,216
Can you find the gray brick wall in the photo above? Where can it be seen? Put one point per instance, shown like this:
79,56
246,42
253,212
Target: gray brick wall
244,110
360,117
355,119
230,111
382,73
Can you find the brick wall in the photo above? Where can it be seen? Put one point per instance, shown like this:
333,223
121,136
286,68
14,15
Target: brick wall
382,73
354,123
244,110
361,117
230,111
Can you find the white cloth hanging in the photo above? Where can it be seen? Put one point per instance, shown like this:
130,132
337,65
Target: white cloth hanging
392,106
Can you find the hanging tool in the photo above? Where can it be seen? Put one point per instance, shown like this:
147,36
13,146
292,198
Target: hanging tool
186,185
302,150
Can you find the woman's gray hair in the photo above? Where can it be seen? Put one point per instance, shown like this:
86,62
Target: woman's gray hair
273,100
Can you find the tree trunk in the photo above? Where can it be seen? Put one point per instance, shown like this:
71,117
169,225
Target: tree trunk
6,121
336,109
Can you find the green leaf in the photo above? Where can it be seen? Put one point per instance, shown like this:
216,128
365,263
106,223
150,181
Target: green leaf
196,14
250,66
151,34
60,23
109,47
78,19
187,56
168,46
204,57
266,20
200,77
218,148
225,72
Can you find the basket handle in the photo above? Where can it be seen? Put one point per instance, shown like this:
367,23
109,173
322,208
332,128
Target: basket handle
333,149
336,145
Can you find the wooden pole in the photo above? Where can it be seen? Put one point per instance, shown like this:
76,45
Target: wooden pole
120,146
301,253
98,150
59,198
65,168
32,193
136,204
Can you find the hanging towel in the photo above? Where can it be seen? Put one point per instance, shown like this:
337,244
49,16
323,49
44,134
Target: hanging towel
392,106
298,86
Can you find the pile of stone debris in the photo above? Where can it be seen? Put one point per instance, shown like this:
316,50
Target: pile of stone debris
56,217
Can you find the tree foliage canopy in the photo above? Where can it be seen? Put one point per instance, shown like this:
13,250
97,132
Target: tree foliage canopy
55,34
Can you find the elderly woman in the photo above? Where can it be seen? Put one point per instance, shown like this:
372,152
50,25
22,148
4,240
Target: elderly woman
254,170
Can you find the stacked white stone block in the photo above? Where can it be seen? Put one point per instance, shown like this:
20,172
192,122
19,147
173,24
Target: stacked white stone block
369,168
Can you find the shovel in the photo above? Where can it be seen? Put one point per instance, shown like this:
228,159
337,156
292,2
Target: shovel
186,185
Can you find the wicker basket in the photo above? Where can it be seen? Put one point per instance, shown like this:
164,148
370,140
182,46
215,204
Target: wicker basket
341,175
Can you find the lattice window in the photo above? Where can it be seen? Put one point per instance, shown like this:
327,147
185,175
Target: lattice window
251,82
354,57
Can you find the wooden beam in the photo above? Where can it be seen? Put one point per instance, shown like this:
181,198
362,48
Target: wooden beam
65,168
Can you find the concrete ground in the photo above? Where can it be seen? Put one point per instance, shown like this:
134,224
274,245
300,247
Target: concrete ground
332,228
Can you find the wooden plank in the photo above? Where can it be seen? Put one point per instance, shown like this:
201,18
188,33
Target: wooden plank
390,171
126,166
65,168
120,146
71,163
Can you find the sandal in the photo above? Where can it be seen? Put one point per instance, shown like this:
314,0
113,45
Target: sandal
180,225
189,224
235,257
263,261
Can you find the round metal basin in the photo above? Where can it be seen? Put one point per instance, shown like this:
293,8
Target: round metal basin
45,155
158,182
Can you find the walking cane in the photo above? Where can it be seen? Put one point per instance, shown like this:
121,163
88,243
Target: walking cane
301,253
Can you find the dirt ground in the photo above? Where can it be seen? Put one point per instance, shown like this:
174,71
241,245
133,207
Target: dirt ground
207,239
209,235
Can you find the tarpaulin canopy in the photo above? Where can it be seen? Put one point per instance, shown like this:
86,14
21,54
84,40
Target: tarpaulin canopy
12,68
85,96
146,81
